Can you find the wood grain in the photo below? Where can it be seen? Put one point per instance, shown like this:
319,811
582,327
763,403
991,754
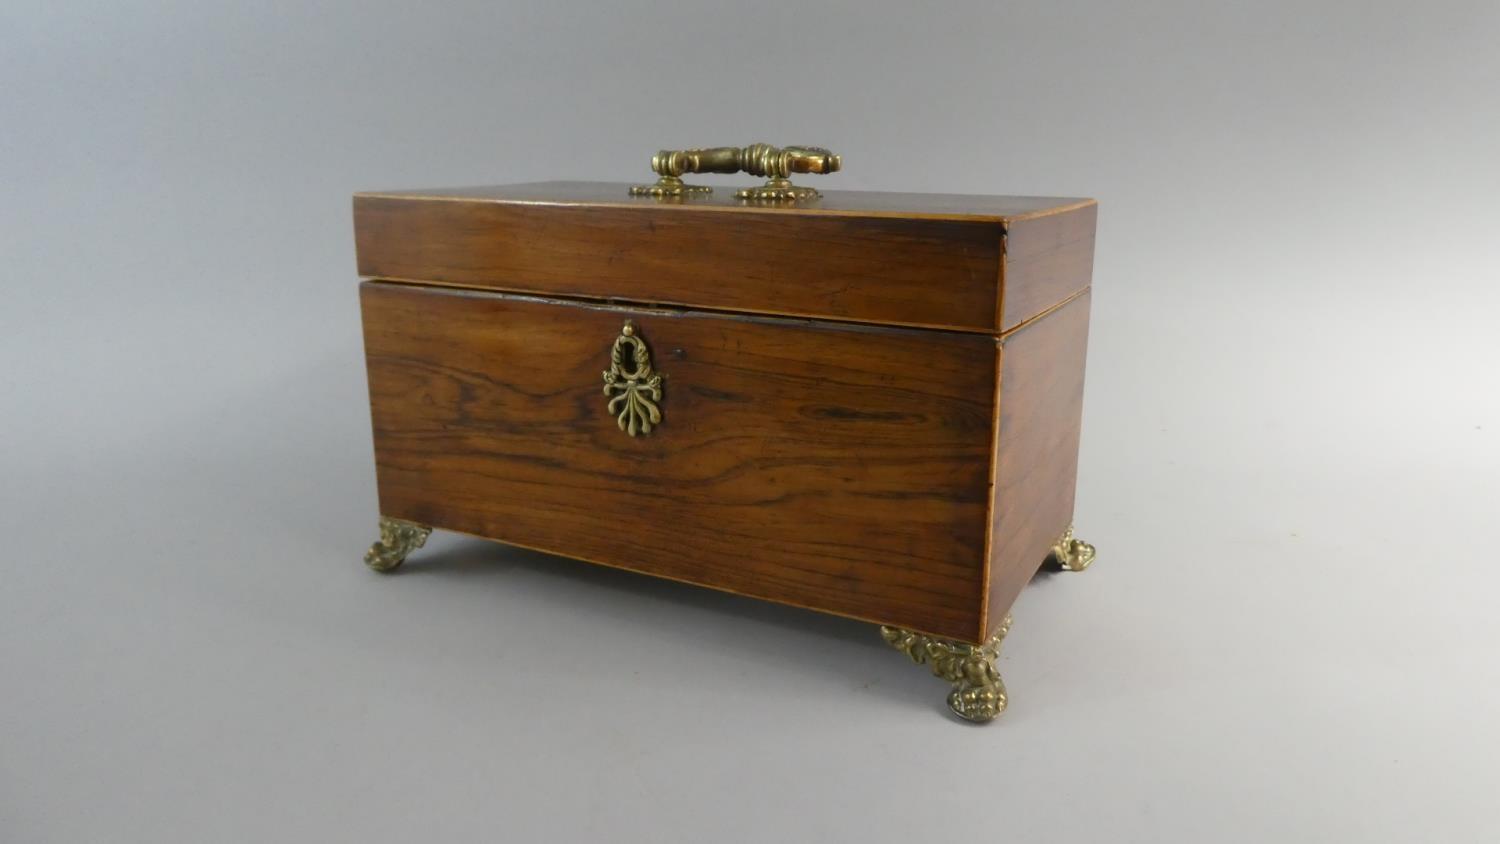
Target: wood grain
841,468
1048,259
1041,409
905,206
936,273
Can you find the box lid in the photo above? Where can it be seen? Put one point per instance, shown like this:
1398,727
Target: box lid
968,263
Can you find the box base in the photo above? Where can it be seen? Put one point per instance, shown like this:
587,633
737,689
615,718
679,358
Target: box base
978,693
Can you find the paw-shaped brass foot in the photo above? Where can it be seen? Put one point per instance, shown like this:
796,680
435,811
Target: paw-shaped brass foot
397,539
1071,554
978,692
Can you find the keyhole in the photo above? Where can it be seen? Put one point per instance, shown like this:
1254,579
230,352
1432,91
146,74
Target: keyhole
628,366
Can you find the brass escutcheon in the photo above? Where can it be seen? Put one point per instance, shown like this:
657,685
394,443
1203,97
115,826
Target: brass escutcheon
632,386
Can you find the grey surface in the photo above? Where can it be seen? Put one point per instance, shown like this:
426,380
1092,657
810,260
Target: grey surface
1290,457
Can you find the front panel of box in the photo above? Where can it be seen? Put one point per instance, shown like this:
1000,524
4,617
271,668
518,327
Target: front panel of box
837,467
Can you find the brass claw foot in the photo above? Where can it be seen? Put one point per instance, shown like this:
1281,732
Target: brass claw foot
397,539
1070,554
978,693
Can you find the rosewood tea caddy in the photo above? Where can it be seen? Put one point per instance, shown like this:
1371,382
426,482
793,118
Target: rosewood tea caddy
859,403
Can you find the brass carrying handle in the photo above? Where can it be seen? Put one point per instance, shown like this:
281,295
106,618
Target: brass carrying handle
777,164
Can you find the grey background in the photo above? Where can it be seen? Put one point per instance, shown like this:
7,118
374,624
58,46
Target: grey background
1290,457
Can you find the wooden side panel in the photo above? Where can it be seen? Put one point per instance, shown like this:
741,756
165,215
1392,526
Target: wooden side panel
936,273
1041,407
1047,260
836,467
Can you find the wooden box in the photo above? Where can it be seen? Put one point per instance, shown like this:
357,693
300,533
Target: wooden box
864,404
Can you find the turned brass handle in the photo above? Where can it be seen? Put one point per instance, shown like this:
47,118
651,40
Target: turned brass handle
777,164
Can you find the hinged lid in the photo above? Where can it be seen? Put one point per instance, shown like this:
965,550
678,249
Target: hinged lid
968,263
